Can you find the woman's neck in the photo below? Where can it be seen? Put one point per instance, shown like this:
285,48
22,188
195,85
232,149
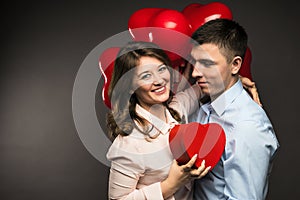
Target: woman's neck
158,110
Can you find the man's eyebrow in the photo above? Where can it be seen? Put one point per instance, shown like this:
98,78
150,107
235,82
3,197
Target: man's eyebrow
205,61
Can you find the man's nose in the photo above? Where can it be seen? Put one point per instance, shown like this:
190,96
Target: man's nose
197,72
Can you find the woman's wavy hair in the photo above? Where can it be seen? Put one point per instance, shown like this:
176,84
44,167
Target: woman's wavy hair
120,120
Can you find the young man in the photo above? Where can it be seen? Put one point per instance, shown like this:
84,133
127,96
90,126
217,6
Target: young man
243,170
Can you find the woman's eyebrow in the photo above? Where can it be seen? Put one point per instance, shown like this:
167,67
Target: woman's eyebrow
147,71
143,72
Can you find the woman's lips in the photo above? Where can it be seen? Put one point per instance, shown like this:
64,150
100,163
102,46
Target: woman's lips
160,90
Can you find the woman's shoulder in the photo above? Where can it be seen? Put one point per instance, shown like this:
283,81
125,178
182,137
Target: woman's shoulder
127,144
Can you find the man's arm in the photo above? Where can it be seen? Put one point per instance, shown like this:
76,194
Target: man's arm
247,163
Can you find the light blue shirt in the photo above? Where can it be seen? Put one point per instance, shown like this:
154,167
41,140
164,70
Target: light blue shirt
243,170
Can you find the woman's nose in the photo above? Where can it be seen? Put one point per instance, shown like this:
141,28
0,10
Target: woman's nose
157,79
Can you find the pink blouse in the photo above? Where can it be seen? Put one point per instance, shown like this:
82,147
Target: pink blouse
138,165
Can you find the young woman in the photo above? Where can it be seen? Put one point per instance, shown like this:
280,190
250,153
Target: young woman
142,166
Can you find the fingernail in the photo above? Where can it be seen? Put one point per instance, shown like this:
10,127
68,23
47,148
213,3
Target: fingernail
209,167
195,156
203,162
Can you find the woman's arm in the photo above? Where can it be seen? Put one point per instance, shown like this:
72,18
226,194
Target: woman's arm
122,186
123,180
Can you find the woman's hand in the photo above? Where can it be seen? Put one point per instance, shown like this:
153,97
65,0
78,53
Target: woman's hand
251,88
182,77
180,175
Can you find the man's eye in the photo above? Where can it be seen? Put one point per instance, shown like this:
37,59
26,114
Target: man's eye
207,63
192,61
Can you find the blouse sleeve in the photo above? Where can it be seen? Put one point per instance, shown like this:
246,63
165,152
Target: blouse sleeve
125,172
186,102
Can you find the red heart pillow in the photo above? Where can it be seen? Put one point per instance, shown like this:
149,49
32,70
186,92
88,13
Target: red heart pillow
206,140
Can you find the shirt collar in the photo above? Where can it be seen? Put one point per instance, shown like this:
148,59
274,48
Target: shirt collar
159,126
225,99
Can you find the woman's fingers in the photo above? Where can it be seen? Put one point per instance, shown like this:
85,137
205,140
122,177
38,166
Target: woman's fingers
195,173
255,95
188,167
246,81
201,171
251,88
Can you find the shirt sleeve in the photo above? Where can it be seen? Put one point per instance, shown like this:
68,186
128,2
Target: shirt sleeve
248,159
186,102
125,172
123,186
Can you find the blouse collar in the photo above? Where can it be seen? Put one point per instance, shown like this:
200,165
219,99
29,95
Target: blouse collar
159,126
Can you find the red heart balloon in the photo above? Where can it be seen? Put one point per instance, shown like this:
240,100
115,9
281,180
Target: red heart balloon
173,33
198,14
245,69
106,64
163,27
141,19
206,140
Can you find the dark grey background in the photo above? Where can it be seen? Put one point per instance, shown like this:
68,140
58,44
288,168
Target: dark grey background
43,44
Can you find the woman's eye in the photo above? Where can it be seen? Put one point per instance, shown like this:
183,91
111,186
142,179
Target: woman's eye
162,68
145,76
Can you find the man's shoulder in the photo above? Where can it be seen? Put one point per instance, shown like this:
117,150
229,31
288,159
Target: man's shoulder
247,109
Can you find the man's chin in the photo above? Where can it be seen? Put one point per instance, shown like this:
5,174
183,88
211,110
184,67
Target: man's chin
205,99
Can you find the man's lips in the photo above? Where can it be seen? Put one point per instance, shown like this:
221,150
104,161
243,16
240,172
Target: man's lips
202,83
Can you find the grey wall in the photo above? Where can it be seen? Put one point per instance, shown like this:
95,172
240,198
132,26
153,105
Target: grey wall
43,44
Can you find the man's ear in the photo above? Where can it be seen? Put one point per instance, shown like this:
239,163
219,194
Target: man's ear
236,65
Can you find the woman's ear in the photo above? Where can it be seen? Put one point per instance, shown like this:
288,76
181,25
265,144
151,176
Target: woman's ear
236,65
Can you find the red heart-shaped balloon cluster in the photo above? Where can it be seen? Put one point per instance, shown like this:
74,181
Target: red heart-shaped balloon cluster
206,140
106,64
171,30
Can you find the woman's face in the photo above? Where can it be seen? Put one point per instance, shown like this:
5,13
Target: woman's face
151,82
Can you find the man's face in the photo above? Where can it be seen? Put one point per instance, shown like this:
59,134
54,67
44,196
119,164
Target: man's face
211,70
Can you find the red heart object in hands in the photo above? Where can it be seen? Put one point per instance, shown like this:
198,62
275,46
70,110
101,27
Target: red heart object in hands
106,64
198,14
245,69
206,140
